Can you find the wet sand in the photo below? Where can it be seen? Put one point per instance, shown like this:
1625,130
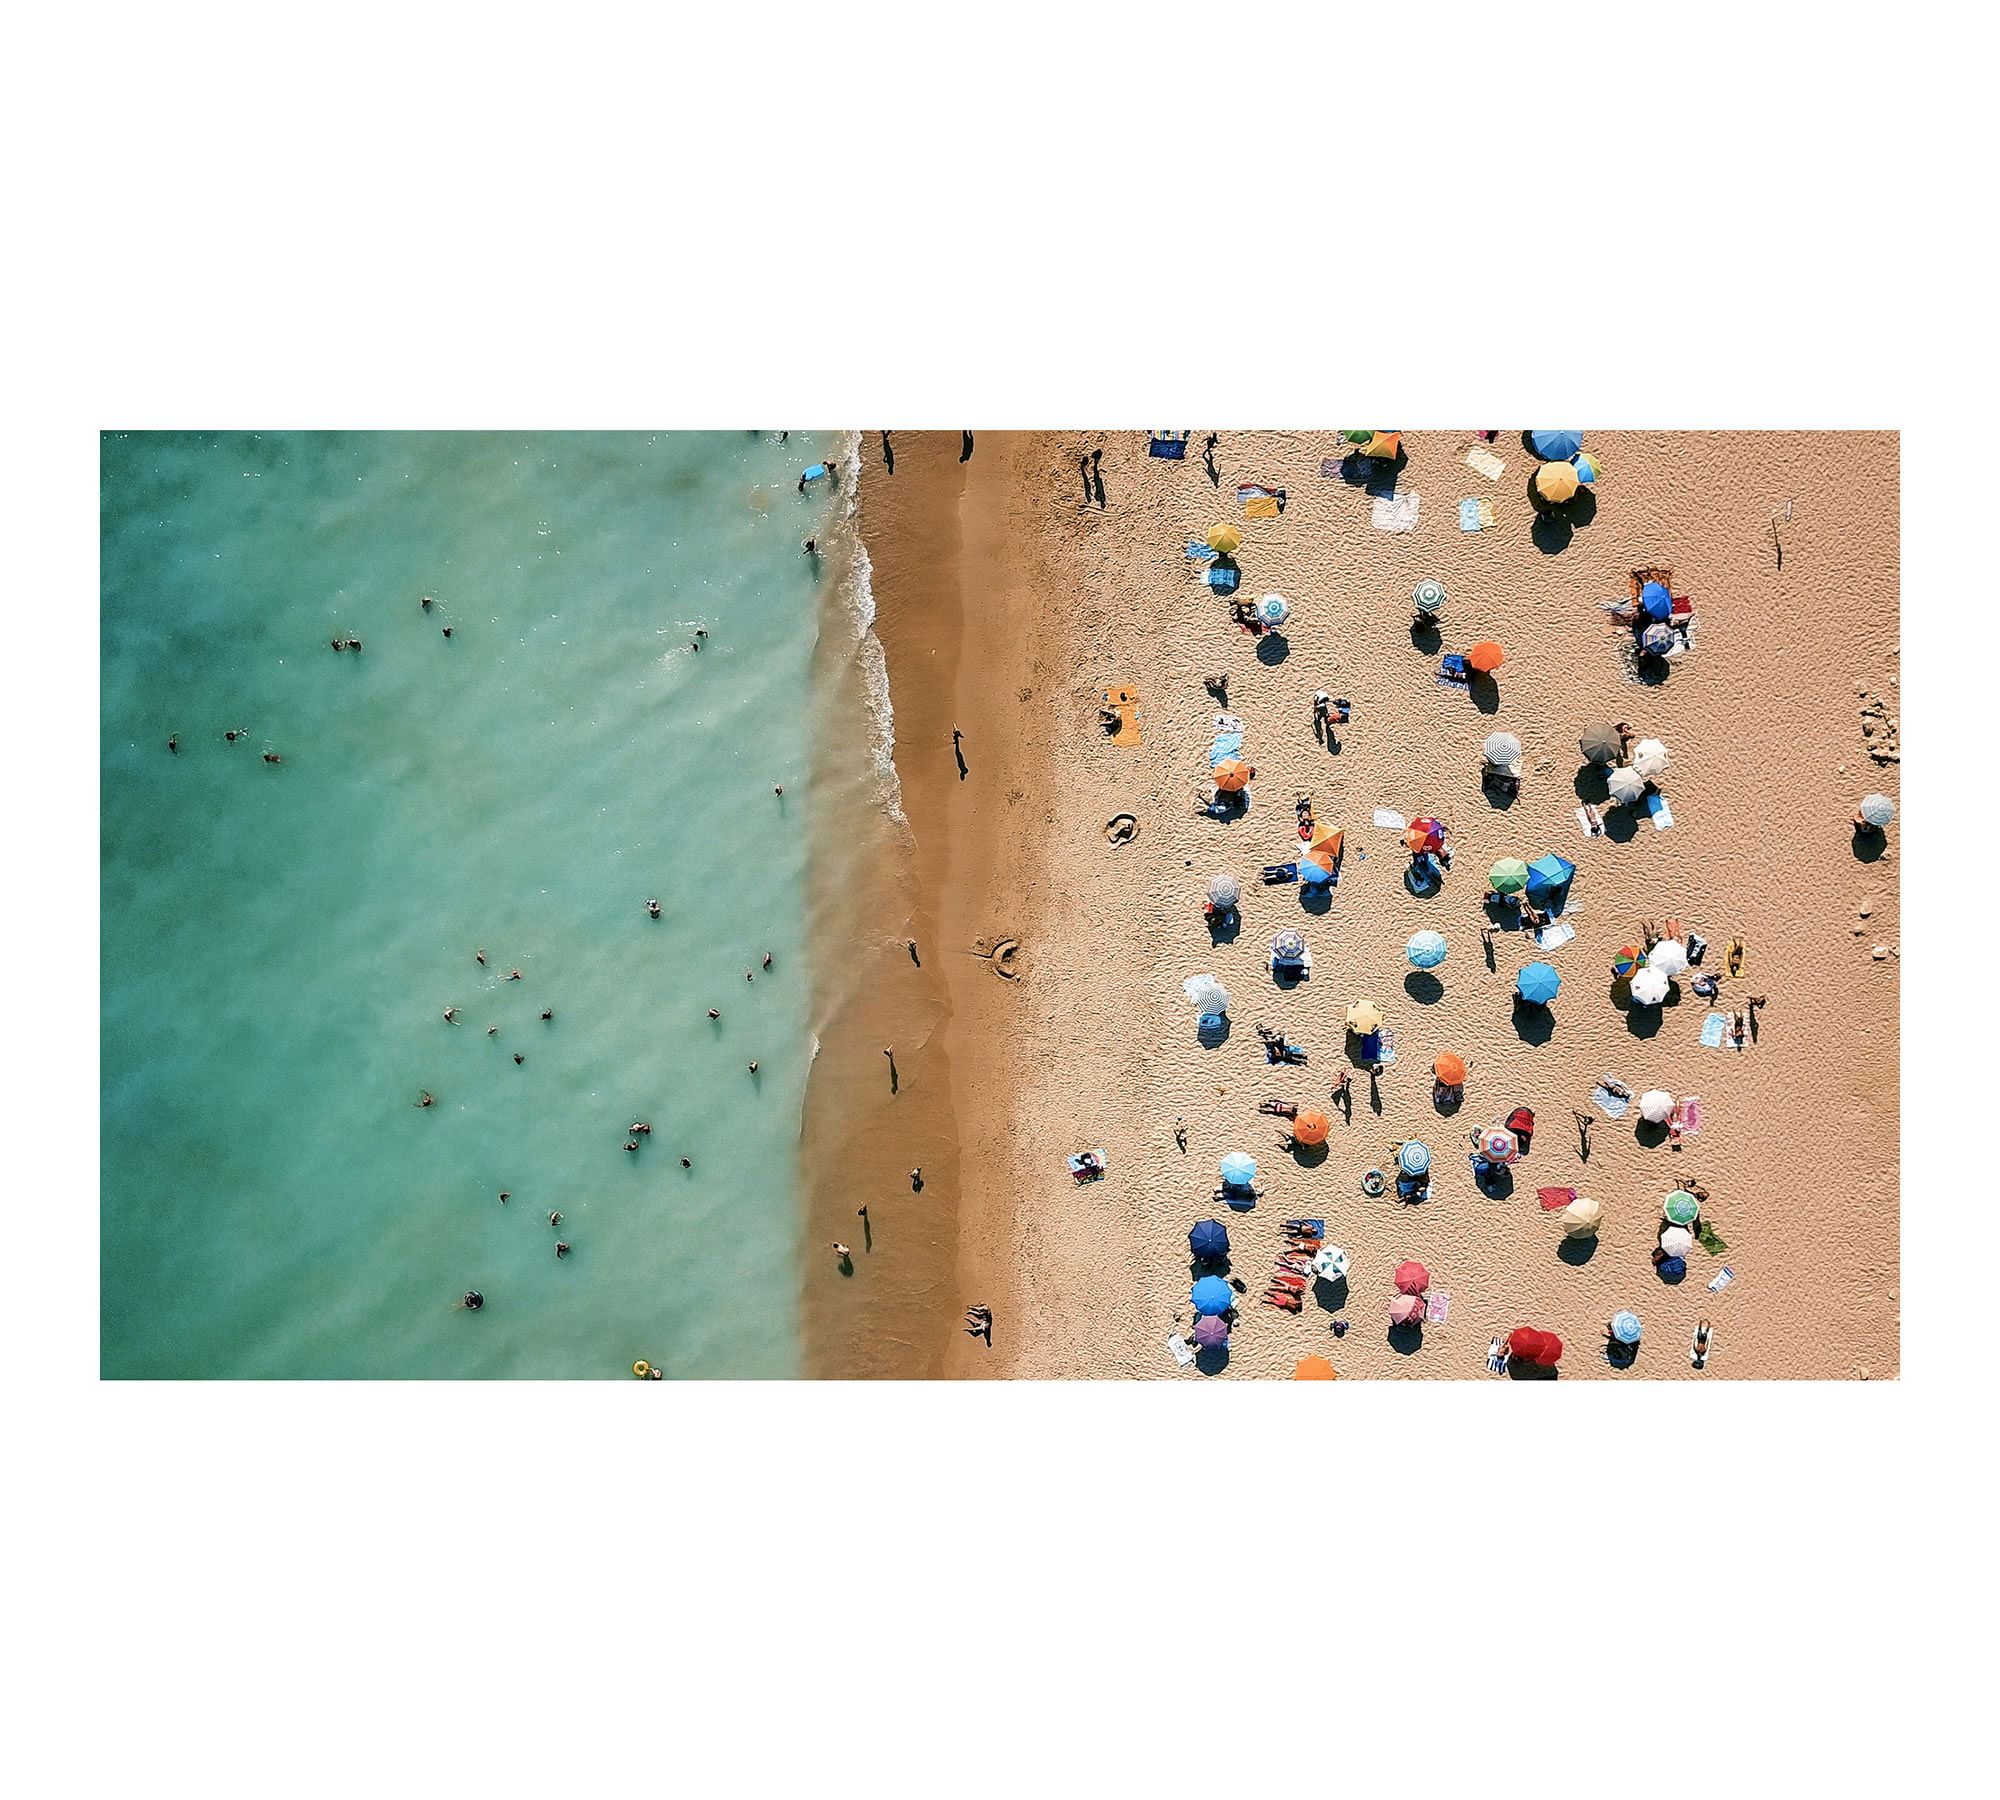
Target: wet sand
1007,607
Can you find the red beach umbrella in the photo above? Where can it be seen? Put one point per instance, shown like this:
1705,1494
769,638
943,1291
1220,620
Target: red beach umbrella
1412,1278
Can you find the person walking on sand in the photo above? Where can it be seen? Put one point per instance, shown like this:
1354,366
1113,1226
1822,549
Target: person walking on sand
1208,461
917,1179
1097,476
965,446
841,1252
1180,1132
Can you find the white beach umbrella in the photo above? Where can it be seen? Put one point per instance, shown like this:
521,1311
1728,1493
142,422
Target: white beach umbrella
1579,1218
1503,748
1626,785
1223,891
1206,995
1878,810
1676,1240
1649,757
1274,609
1669,956
1649,986
1656,1106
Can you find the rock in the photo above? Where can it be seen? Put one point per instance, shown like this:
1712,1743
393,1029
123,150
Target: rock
1858,930
1866,909
1880,953
1892,681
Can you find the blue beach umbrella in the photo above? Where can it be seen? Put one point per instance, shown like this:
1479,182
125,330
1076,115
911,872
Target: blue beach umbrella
1538,983
1547,873
1556,446
1311,874
1426,950
1414,1158
1224,747
1655,602
1212,1296
1209,1239
1238,1169
1288,947
1625,1327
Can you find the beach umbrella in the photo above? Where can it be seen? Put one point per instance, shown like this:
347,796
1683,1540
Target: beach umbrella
1656,1106
1538,982
1209,1239
1508,876
1556,446
1426,950
1433,834
1673,1269
1599,744
1383,443
1498,1145
1556,481
1681,1208
1485,657
1330,1262
1657,640
1210,1333
1212,1295
1656,605
1429,596
1314,1368
1502,748
1579,1218
1233,776
1412,1278
1325,839
1311,1127
1414,1158
1224,747
1627,962
1649,757
1450,1069
1358,437
1542,1348
1223,891
1405,1309
1315,870
1274,609
1206,995
1588,468
1225,539
1288,947
1363,1017
1547,873
1238,1169
1627,785
1677,1240
1878,810
1668,956
1625,1327
1649,986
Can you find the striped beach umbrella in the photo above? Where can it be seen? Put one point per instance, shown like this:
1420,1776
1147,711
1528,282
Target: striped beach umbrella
1274,609
1239,1169
1537,983
1414,1158
1681,1208
1223,891
1288,947
1625,1327
1508,876
1657,640
1878,810
1426,950
1556,446
1498,1145
1503,748
1206,995
1429,597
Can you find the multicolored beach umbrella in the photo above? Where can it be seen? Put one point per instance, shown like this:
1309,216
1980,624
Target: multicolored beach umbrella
1625,1327
1537,983
1555,446
1274,609
1498,1145
1414,1158
1657,640
1588,468
1628,962
1212,1296
1426,950
1508,876
1315,869
1429,597
1681,1208
1238,1169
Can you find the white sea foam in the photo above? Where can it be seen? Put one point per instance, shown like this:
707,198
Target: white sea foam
874,665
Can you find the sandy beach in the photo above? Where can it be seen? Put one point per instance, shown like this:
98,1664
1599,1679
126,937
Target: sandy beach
1007,605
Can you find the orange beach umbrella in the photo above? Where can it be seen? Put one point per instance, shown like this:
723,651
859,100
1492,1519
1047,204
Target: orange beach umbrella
1325,843
1233,775
1315,1368
1311,1126
1450,1069
1485,657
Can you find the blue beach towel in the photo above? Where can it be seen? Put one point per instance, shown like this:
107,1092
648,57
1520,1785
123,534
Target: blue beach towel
1713,1029
1199,552
1223,580
1468,515
1172,448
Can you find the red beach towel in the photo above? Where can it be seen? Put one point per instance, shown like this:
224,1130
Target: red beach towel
1555,1199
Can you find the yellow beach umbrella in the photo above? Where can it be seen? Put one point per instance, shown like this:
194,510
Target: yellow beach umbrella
1363,1017
1224,539
1555,481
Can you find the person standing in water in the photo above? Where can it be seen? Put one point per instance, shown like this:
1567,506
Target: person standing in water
888,454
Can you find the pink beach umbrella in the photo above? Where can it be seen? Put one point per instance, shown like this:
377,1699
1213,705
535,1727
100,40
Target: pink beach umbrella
1498,1145
1405,1308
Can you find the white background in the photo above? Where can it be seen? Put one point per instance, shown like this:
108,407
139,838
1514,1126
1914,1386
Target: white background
1023,215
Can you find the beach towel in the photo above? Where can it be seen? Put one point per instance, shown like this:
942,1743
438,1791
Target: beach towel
1199,552
1722,1280
1437,1306
1183,1354
1593,826
1486,514
1254,490
1690,1115
1387,1052
1171,445
1261,506
1224,747
1496,1358
1557,933
1394,512
1329,467
1223,580
1390,821
1483,459
1556,1198
1713,1029
1613,1106
1706,1238
1468,515
1656,806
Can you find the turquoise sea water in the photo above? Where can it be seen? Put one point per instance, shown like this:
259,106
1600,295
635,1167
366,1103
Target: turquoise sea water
279,942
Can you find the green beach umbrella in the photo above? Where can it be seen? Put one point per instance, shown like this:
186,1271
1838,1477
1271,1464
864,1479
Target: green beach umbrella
1429,596
1682,1207
1508,876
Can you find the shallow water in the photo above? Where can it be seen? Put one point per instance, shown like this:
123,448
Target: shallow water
279,942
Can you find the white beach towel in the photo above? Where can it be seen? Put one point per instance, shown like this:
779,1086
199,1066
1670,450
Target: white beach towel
1483,459
1612,1105
1183,1352
1390,821
1395,512
1722,1279
1593,826
1557,933
1662,815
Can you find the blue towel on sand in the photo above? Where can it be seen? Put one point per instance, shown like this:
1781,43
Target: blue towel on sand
1223,579
1173,449
1712,1029
1199,552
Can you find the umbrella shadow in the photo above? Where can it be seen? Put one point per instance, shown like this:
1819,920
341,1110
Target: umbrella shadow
1533,1024
1447,1100
1621,824
1497,1183
1406,1340
1213,1037
1576,1251
1211,1359
1316,898
1423,987
1650,671
1592,784
1375,476
1620,1356
1225,929
1426,635
1499,797
1869,843
1287,976
1309,1156
1485,692
1422,884
1649,1135
1520,1369
1330,1291
1272,648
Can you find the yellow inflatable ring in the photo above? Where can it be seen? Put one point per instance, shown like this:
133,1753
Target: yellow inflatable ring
642,1368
